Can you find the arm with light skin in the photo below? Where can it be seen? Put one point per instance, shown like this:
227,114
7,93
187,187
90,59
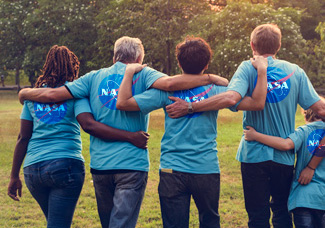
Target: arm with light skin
45,95
15,186
188,81
103,131
125,100
276,142
308,172
256,102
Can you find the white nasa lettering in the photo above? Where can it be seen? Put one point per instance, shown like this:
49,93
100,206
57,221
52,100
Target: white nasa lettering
61,108
187,99
105,92
284,86
269,85
113,92
39,107
313,143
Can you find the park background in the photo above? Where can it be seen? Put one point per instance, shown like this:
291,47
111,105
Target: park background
28,28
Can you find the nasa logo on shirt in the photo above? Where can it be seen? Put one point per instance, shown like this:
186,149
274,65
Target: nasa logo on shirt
108,90
193,95
313,141
278,84
50,113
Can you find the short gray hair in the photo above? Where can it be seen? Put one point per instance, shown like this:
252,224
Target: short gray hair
128,49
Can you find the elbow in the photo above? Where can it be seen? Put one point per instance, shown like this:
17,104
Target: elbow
121,105
87,126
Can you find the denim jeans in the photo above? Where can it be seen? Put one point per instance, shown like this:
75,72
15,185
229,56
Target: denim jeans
308,218
260,182
175,191
119,197
56,185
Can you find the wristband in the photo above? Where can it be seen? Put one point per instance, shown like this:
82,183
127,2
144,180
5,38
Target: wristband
310,167
190,108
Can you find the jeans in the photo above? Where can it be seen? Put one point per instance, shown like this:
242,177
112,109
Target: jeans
56,185
175,191
309,218
260,182
119,197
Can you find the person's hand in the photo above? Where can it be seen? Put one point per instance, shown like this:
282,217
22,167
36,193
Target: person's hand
140,139
135,67
259,62
250,133
178,109
218,80
14,187
21,95
306,175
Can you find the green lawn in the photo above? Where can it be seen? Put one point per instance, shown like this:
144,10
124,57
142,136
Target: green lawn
27,213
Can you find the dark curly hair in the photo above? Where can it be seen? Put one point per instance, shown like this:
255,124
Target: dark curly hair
61,65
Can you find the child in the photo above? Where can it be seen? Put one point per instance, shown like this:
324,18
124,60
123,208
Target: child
306,199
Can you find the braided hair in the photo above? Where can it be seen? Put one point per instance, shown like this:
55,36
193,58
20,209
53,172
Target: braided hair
61,65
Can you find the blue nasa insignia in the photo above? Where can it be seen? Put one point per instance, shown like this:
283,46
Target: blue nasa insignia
193,95
50,113
278,84
108,90
313,142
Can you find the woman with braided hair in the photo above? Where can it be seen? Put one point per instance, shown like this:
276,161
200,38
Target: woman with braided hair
50,139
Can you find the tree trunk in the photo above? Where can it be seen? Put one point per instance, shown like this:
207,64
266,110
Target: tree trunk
168,64
17,78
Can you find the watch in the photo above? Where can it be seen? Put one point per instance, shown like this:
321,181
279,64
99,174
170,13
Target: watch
190,108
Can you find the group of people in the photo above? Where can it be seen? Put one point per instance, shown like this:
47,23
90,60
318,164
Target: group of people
112,105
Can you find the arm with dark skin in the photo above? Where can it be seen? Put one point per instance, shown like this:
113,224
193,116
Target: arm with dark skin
256,102
15,186
105,132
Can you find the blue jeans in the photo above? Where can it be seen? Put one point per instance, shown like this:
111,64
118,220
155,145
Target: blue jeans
309,218
260,182
119,197
56,185
175,191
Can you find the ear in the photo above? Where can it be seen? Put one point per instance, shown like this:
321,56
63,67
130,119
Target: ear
114,60
253,48
139,59
206,67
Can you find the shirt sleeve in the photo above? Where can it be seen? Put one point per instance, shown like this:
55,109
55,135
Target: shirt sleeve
307,94
151,76
81,106
80,88
240,80
298,138
151,99
25,113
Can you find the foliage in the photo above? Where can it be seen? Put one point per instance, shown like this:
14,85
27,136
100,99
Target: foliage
228,33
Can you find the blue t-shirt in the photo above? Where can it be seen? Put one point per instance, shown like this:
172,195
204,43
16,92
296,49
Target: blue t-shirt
102,87
288,85
56,132
189,143
306,140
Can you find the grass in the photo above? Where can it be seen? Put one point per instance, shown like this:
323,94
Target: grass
27,213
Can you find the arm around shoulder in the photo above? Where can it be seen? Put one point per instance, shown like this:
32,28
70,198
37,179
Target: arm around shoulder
45,95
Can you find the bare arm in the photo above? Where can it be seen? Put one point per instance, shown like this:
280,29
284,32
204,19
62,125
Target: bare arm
257,100
188,81
125,100
307,173
15,186
103,131
272,141
319,108
45,95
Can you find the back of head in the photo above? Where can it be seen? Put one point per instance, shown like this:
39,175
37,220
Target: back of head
266,39
128,50
311,116
61,65
193,55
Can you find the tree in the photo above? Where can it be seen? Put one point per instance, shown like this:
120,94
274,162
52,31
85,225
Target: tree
228,33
